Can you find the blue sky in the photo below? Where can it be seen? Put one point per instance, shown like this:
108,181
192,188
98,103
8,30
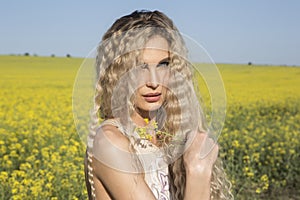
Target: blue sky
232,31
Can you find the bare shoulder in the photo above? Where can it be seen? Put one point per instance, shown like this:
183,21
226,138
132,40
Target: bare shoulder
110,136
111,148
113,164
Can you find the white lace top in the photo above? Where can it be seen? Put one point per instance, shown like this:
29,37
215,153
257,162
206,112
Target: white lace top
156,170
154,166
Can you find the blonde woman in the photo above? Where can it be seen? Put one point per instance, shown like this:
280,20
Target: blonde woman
152,141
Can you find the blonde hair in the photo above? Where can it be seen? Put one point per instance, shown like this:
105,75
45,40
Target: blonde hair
117,54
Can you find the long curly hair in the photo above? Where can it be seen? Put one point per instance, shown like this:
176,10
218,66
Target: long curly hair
117,54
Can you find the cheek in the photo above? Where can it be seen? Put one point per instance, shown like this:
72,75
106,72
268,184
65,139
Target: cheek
140,80
138,95
164,78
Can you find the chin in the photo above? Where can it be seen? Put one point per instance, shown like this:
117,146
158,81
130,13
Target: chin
151,106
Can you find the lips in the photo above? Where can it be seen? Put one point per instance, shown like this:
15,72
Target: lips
152,97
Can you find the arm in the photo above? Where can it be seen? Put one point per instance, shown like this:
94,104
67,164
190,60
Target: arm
198,162
111,149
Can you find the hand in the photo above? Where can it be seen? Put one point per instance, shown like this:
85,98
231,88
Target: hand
200,155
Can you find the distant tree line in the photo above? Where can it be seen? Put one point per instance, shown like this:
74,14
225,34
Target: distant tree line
52,55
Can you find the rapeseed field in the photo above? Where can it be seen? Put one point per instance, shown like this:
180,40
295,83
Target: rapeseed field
41,155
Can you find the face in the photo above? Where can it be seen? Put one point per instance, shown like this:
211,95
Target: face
153,75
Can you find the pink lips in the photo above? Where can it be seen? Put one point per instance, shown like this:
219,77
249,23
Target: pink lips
152,97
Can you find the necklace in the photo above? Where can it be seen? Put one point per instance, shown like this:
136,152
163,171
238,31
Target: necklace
152,133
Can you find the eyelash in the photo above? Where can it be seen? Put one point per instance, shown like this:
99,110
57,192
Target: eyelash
165,63
162,64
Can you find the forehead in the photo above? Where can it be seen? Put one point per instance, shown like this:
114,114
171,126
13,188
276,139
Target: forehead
156,49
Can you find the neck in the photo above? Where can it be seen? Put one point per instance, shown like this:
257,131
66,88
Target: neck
139,115
139,119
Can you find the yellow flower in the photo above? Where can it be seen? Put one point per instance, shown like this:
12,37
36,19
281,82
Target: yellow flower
246,159
3,176
258,190
146,120
25,166
250,174
264,178
236,144
149,137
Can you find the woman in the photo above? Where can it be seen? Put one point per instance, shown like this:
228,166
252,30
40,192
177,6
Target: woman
152,141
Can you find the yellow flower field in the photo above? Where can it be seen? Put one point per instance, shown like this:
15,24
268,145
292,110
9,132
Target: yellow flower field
41,155
261,136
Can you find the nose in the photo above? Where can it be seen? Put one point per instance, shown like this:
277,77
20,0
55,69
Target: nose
152,82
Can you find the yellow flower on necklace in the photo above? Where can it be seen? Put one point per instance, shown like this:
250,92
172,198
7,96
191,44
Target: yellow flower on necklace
146,120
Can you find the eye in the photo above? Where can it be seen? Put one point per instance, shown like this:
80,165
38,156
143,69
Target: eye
163,64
